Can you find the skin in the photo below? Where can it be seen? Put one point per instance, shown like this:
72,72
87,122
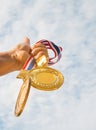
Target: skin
14,59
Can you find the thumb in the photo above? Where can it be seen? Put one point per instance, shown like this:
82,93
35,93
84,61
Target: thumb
26,40
26,44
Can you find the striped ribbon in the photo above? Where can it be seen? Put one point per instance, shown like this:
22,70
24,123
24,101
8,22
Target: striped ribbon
52,60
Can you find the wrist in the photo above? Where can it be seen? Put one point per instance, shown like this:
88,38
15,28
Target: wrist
7,62
14,61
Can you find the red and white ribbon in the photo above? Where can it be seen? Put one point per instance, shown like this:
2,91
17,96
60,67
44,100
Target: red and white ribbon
52,60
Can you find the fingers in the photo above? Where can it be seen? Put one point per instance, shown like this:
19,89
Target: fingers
38,45
38,50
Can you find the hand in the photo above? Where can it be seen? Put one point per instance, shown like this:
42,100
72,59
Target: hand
38,50
14,59
23,50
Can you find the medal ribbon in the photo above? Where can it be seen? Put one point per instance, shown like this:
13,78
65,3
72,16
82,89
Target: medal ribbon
52,60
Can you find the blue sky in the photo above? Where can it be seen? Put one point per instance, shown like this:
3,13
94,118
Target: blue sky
72,25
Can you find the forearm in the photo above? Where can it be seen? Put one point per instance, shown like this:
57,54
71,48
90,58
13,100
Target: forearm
7,63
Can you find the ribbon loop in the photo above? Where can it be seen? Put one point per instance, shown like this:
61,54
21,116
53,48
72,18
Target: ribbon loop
52,60
56,50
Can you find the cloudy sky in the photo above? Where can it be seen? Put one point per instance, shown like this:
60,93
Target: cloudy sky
72,25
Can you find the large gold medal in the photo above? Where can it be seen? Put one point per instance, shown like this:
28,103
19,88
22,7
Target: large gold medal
43,78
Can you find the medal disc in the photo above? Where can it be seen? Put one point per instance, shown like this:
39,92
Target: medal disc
45,78
22,97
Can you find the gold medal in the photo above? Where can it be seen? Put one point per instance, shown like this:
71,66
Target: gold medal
41,77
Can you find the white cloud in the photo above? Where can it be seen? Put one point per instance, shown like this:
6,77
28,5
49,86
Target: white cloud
71,25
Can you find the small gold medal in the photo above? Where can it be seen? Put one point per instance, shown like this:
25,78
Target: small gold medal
22,97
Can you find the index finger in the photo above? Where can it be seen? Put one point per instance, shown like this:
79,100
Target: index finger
39,44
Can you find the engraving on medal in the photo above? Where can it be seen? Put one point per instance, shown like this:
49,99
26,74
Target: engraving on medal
45,78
